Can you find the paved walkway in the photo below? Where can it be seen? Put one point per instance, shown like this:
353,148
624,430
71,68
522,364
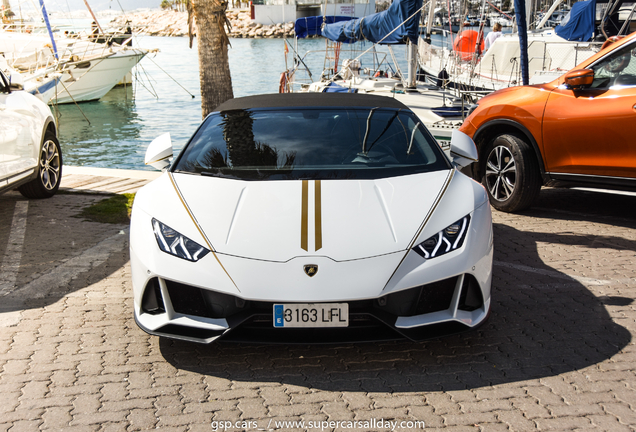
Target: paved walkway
104,180
558,352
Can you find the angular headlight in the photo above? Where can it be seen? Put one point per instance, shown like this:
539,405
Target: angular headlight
173,243
447,240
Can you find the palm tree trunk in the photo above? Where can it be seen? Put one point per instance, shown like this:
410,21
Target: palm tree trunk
214,68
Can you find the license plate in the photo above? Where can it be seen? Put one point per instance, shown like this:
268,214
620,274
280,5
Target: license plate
311,315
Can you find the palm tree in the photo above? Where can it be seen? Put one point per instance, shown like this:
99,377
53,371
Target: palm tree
214,68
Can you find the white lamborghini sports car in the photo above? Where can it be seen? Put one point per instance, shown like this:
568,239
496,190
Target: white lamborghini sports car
311,218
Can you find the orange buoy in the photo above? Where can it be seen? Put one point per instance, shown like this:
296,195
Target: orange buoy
465,44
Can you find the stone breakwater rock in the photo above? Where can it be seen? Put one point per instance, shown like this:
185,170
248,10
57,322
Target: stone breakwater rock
174,23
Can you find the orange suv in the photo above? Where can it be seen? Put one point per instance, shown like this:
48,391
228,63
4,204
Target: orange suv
577,130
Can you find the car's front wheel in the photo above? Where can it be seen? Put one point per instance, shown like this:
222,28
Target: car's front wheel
49,175
510,173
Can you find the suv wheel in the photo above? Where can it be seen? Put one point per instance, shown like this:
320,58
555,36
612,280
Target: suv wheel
510,173
49,170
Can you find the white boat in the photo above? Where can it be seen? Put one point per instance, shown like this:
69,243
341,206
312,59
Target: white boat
37,83
88,70
549,57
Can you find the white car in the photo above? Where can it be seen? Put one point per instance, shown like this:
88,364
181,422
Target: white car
311,218
30,154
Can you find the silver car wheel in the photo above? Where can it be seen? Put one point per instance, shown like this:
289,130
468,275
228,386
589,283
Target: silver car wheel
501,173
49,165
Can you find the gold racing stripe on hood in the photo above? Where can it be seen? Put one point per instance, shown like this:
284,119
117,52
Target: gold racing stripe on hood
318,214
304,216
196,224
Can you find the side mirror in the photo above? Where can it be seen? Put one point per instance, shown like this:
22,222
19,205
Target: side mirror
159,152
579,79
16,82
462,149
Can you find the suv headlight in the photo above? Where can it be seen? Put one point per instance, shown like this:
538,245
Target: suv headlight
173,243
447,240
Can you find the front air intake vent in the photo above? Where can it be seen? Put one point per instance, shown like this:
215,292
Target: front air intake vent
189,300
436,297
423,299
152,302
470,298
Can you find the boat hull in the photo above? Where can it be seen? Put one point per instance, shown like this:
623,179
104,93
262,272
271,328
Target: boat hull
92,79
549,56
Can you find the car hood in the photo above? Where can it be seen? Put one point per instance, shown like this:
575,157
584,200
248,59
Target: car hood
339,219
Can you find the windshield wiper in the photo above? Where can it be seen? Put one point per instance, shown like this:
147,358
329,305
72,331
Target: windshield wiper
366,133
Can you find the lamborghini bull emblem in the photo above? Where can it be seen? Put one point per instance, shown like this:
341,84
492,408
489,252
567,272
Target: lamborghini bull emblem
311,270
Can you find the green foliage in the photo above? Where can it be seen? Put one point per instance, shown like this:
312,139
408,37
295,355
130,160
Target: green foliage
115,209
179,5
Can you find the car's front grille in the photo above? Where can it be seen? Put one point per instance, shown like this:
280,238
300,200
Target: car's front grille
189,300
252,321
362,328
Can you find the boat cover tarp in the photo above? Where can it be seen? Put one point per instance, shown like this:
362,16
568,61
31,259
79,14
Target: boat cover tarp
578,25
311,26
335,88
376,27
450,111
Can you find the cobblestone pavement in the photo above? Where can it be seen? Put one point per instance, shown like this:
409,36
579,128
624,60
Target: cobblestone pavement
556,354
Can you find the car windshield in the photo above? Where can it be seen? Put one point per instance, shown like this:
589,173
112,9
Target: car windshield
311,143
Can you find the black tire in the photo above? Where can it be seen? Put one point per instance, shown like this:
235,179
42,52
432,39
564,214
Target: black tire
49,175
510,173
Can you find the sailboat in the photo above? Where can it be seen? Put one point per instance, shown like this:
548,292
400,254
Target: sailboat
88,70
551,51
81,70
370,71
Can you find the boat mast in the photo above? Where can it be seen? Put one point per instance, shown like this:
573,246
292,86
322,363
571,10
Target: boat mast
548,14
48,27
480,37
522,25
429,20
412,59
94,17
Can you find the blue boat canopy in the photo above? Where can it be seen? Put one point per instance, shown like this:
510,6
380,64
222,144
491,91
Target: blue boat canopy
335,88
376,27
311,26
578,25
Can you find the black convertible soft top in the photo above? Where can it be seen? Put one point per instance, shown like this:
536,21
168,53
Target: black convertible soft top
277,100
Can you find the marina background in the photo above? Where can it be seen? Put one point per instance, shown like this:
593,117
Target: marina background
126,120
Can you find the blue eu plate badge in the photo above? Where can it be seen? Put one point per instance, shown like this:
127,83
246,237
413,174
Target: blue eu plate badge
278,316
290,315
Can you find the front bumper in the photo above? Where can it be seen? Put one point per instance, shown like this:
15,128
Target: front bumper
179,311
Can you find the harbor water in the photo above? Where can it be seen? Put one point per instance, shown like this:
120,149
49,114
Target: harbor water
115,131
